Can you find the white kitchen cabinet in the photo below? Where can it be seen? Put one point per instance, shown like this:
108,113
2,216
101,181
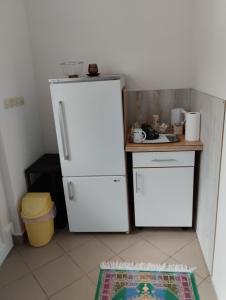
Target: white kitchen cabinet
96,204
163,188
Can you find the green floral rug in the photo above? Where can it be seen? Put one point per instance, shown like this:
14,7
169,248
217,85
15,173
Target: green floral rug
128,281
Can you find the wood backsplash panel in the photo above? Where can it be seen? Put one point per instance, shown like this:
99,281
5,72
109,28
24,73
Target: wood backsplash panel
212,123
143,104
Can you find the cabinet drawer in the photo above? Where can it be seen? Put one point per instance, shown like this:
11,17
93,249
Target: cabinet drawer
163,159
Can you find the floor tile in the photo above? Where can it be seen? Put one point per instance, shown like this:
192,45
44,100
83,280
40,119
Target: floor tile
143,252
62,275
118,242
82,289
169,241
93,275
191,255
206,291
58,274
13,268
37,257
198,279
25,288
115,259
69,241
171,261
89,256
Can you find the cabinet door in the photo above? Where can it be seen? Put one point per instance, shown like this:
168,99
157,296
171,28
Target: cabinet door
96,204
163,196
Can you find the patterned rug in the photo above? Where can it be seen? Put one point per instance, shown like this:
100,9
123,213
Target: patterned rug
128,281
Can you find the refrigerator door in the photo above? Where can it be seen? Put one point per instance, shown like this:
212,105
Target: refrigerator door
96,204
89,125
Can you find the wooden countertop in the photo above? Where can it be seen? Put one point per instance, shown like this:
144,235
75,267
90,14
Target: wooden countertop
182,145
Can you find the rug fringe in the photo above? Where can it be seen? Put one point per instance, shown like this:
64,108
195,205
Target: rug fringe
146,267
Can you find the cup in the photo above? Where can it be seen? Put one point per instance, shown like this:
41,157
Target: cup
138,135
93,69
155,122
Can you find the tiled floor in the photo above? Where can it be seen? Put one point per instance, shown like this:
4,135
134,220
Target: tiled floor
67,268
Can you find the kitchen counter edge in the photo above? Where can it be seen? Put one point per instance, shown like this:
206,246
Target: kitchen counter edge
182,145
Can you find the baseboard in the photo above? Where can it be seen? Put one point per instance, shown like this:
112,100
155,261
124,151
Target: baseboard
7,242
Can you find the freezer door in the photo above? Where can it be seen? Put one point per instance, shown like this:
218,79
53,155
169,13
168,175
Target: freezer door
89,125
97,204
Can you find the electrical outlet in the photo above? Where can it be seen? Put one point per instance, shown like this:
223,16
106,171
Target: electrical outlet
13,101
19,101
8,103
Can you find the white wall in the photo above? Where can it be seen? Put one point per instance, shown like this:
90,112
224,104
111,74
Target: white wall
209,73
210,47
212,127
6,242
148,40
210,77
21,137
219,266
4,214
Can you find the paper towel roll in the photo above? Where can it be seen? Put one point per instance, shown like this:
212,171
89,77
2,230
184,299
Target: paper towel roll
192,126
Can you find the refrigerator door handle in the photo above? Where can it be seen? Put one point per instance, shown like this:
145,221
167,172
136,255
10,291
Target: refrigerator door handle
63,131
70,190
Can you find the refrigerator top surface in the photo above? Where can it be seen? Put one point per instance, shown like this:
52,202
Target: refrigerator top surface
86,78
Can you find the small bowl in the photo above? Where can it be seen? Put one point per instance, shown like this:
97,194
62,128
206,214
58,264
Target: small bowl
72,69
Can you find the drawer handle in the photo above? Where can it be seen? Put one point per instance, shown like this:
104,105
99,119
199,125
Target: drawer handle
165,160
136,182
138,189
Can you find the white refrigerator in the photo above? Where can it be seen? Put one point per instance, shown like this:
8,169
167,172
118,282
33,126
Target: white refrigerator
88,114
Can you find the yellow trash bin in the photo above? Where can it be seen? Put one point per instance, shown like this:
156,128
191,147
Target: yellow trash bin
38,212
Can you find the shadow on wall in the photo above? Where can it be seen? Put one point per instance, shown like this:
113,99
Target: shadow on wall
7,186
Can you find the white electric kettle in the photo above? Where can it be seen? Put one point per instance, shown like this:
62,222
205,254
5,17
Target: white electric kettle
177,115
